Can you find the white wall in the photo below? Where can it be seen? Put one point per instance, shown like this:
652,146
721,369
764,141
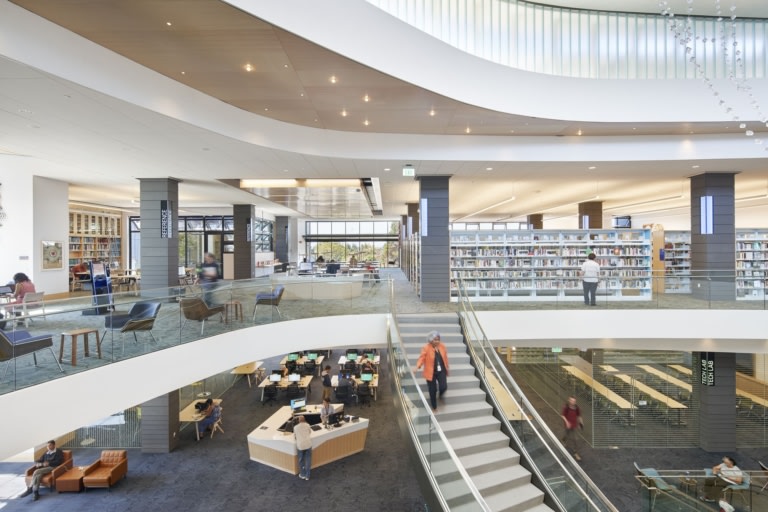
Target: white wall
50,223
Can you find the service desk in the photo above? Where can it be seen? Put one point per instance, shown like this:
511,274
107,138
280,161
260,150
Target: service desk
319,288
278,449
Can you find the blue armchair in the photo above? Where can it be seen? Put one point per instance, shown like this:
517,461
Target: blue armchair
19,343
141,317
269,299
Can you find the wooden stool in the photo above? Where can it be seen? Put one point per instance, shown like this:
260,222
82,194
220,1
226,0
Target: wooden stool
236,309
74,334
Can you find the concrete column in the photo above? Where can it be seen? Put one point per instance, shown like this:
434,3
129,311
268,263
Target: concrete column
244,260
159,209
160,423
717,415
591,215
713,236
435,239
536,220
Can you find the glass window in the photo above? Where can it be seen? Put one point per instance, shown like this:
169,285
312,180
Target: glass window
366,227
338,228
229,224
324,228
135,224
353,228
194,224
214,224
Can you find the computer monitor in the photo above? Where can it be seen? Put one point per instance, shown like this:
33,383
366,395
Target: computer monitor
5,290
294,377
352,356
312,356
182,271
98,269
293,357
366,377
275,377
370,355
298,404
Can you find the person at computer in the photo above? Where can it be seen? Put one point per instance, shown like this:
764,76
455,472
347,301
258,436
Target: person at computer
320,259
366,365
327,385
302,432
211,414
434,360
726,473
326,411
332,267
208,277
50,460
22,286
352,262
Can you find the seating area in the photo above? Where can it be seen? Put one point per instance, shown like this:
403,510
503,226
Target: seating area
49,480
141,317
269,299
105,472
20,343
195,308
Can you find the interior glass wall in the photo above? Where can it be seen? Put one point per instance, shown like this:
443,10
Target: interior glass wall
376,242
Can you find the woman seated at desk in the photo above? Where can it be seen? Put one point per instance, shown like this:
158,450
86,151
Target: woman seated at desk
23,287
210,414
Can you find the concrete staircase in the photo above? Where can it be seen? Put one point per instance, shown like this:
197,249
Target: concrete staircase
474,433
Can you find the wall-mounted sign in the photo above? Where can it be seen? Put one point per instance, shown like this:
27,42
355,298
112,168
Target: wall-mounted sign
707,369
166,219
249,230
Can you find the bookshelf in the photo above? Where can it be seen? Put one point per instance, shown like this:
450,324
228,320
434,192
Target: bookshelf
751,263
677,262
514,265
95,236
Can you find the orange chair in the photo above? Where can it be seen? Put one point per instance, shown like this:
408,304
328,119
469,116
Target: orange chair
109,469
49,480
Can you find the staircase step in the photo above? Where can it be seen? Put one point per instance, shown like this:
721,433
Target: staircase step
470,425
449,411
515,499
501,479
490,461
486,441
460,395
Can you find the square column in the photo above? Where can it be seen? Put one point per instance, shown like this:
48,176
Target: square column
244,258
435,281
591,215
713,236
159,209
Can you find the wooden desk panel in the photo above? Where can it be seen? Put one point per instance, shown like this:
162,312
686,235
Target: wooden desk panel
620,401
681,369
663,376
656,395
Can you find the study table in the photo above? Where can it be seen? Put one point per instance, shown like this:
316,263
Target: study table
343,360
617,399
663,376
267,445
283,383
651,392
374,384
303,359
681,369
247,369
190,415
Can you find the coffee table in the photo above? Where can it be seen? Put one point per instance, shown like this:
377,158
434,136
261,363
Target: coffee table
71,481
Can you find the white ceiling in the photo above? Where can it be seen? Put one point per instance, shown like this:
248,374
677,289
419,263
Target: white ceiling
102,145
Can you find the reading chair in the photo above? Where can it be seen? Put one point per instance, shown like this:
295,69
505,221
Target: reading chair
49,480
269,299
19,343
195,308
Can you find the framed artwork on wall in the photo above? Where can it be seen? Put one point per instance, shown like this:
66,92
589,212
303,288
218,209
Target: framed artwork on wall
52,255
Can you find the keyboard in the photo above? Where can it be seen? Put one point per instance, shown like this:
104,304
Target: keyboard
316,427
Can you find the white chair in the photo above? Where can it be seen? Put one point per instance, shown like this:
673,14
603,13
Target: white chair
31,302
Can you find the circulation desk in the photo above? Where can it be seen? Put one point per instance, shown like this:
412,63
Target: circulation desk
278,449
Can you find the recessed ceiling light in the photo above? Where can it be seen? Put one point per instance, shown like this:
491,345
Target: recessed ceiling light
285,65
168,23
183,72
386,169
468,130
694,167
432,112
24,111
366,98
366,123
578,132
333,79
343,112
489,168
266,109
248,67
591,167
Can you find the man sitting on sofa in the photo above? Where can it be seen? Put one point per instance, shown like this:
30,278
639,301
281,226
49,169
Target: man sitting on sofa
48,462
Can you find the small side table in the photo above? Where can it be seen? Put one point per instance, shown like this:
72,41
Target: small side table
74,335
71,481
235,308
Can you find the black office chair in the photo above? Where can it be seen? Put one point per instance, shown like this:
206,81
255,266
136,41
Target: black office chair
294,391
291,365
350,366
309,367
343,394
364,394
270,394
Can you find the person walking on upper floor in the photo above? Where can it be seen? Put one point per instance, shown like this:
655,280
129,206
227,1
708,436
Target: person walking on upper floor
327,383
208,277
434,359
50,460
571,415
590,273
303,433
